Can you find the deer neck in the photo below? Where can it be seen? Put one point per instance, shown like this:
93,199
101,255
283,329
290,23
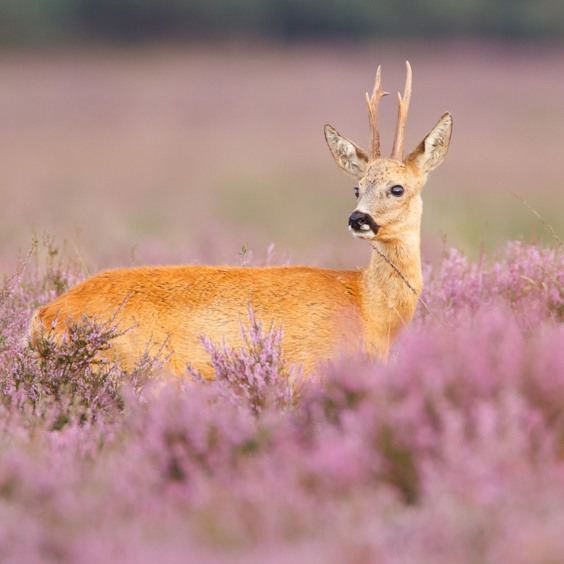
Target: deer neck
392,282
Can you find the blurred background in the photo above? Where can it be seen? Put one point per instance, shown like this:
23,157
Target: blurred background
170,131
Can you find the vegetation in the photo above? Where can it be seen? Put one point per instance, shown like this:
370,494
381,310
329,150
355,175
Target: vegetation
452,452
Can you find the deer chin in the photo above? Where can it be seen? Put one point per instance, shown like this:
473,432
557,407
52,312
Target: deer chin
367,232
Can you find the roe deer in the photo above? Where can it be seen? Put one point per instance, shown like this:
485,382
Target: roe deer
322,312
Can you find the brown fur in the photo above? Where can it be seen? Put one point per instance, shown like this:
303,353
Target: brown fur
323,312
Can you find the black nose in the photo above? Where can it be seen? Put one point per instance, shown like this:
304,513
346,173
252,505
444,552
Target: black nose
357,219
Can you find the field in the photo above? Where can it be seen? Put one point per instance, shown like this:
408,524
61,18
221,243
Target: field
182,155
450,452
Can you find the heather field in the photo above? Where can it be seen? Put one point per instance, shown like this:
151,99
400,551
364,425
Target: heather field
453,451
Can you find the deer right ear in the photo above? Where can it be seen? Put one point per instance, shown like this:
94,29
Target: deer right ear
430,153
351,158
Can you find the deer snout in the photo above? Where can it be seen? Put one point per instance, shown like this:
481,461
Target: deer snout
357,220
360,221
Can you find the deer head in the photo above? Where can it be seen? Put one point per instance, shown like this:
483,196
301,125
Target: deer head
389,189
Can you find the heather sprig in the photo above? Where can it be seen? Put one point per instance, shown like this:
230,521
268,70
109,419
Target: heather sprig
256,373
56,379
527,280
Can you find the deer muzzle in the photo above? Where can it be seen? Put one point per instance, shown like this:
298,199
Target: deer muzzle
361,222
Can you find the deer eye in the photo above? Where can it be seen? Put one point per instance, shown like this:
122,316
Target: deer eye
397,191
356,191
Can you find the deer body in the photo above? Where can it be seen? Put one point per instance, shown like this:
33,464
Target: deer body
173,306
323,312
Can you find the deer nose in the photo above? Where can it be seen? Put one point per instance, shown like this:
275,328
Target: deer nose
357,220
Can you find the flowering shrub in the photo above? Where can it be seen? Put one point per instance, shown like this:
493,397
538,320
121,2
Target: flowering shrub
452,452
256,375
526,279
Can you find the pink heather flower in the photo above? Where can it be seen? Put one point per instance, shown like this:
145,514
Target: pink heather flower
255,374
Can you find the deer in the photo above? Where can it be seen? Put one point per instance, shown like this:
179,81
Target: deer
323,312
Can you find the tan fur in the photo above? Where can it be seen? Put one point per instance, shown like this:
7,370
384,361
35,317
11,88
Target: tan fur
323,312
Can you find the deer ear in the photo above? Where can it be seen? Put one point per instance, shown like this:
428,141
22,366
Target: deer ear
430,153
351,158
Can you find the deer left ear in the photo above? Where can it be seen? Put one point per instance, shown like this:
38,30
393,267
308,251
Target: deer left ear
431,152
349,156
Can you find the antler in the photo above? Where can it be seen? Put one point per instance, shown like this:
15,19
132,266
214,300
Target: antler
397,151
372,104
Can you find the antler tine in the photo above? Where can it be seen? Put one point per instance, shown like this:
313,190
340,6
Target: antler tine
372,104
403,107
